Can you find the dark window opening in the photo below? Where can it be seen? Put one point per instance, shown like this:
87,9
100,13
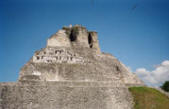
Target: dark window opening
37,58
117,68
72,36
90,41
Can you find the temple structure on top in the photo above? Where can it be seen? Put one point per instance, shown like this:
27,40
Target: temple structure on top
60,45
76,36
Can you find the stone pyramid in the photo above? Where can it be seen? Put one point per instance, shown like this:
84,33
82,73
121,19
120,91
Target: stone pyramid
70,73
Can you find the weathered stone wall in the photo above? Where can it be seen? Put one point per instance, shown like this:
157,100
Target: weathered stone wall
130,78
57,55
49,95
59,39
93,41
81,36
70,73
76,36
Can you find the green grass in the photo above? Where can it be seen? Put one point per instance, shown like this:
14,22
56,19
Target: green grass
149,98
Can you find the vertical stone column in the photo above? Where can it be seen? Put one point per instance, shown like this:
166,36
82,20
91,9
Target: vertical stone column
93,41
79,35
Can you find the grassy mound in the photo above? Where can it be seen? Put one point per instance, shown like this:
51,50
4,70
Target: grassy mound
149,98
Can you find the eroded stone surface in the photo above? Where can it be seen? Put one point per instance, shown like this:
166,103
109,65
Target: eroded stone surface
57,55
71,72
58,96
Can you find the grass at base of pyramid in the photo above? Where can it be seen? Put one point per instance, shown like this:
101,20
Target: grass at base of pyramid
149,98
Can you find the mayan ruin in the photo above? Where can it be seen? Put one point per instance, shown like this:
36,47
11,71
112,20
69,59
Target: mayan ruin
71,72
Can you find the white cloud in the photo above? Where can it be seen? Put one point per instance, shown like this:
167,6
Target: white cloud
155,77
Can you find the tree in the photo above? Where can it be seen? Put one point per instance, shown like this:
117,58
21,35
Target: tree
165,86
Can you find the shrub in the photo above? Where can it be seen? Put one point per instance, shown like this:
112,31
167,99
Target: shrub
165,86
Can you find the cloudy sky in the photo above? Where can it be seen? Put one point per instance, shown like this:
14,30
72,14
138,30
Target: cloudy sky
135,31
155,77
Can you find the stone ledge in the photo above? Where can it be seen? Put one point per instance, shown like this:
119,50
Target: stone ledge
66,84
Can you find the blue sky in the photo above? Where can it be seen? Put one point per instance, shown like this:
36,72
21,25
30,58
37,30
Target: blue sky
135,31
